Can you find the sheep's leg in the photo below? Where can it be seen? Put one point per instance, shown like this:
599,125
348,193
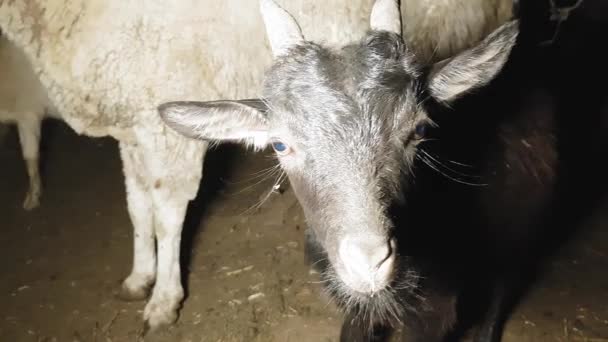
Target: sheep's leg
29,136
168,293
174,166
139,202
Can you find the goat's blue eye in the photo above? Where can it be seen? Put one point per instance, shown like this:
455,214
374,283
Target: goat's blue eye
280,147
420,130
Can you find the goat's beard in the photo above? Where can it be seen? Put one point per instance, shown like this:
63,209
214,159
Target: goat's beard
387,307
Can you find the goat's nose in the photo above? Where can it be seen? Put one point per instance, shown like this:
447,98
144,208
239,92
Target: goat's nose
368,263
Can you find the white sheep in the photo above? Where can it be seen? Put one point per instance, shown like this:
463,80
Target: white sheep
24,102
107,64
438,29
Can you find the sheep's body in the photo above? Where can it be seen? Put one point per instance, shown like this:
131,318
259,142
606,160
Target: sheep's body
438,29
24,102
108,64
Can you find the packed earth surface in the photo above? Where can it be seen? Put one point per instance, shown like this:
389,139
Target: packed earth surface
243,259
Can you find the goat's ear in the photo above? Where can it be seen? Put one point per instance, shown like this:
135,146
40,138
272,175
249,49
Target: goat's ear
243,120
475,67
282,29
386,16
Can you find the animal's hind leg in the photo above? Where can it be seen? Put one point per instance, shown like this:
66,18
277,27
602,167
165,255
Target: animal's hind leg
433,320
173,166
353,330
504,294
29,136
492,326
170,211
139,203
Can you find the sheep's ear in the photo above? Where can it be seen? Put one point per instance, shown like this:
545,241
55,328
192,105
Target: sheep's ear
282,29
474,68
243,120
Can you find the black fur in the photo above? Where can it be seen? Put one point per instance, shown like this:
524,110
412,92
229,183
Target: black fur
536,137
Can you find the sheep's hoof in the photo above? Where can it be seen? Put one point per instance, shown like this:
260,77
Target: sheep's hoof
32,201
133,294
127,295
147,334
156,318
162,311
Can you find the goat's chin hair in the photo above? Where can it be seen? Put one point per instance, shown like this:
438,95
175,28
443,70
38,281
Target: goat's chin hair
387,307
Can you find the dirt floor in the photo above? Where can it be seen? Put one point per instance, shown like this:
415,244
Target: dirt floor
247,279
